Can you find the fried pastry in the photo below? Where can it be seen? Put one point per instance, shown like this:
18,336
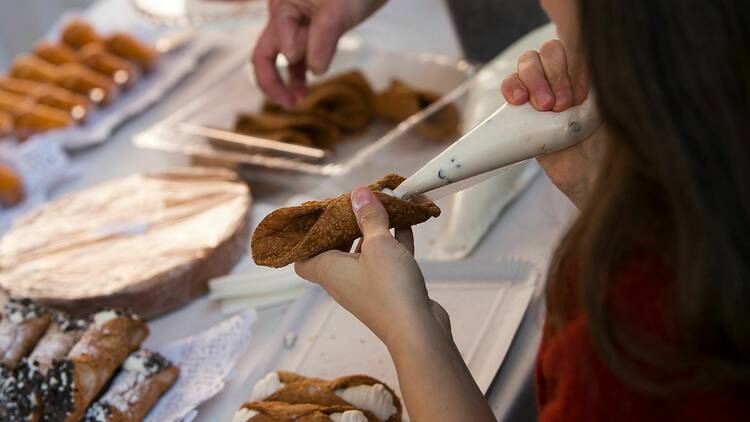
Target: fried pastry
14,104
270,411
400,101
28,66
78,78
38,119
76,105
95,57
73,383
20,397
359,391
294,234
6,124
345,100
144,377
300,129
11,188
63,333
53,53
78,33
129,48
22,325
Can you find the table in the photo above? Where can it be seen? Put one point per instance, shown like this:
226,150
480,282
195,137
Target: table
529,228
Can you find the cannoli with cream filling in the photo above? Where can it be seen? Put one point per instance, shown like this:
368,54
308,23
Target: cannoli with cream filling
129,48
22,325
77,105
63,333
271,411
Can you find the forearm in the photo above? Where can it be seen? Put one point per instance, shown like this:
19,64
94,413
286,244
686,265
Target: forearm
435,382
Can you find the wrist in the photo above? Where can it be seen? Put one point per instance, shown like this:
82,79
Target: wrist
416,330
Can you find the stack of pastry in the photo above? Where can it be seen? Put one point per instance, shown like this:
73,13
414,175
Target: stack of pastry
56,367
346,104
11,187
55,85
285,397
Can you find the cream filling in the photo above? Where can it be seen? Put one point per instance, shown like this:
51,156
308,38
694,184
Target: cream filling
136,362
244,415
104,316
348,416
375,398
266,387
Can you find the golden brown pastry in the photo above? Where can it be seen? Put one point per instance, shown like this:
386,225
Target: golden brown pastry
358,391
129,48
6,124
11,187
95,57
144,377
294,234
78,78
63,333
78,33
14,104
77,105
73,383
20,393
22,325
28,66
400,101
54,53
271,411
38,119
301,129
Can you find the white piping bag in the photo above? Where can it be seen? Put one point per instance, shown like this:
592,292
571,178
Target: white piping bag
509,135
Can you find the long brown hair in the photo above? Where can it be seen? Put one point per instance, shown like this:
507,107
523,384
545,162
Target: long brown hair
673,87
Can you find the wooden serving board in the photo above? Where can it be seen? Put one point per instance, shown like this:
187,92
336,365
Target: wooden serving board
149,242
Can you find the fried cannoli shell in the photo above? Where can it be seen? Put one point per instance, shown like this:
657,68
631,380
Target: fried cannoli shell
273,411
40,118
63,333
56,54
80,79
33,68
96,57
288,127
77,105
6,124
400,101
300,389
294,234
78,33
105,345
21,393
129,48
22,325
135,390
11,187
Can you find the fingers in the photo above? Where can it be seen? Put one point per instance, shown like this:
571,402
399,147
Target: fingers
531,73
329,269
325,30
266,74
298,80
406,238
555,67
513,90
370,213
287,21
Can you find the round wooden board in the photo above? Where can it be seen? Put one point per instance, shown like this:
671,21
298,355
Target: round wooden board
149,242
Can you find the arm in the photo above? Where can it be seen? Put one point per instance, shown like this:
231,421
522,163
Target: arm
384,288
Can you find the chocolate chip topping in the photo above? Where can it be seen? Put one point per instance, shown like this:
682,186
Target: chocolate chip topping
19,310
58,391
71,323
21,391
146,362
98,412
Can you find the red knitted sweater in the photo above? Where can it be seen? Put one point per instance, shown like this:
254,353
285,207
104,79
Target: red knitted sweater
575,384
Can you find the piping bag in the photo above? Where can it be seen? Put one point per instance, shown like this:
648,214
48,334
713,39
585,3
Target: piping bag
509,135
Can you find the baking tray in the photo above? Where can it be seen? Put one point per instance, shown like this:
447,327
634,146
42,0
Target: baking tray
330,342
236,92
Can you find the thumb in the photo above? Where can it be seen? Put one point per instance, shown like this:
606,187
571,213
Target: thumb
371,215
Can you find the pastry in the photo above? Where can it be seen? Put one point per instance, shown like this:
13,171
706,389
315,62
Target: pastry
400,101
144,377
129,48
14,104
11,188
358,391
73,383
78,78
6,124
75,104
95,57
53,53
28,66
78,33
20,397
22,325
38,119
63,333
270,411
294,234
301,129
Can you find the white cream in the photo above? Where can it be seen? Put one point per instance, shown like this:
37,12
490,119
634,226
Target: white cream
375,398
348,416
16,317
387,191
136,362
244,415
104,316
266,387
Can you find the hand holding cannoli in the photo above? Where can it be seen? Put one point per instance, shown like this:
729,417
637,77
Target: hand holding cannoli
270,411
22,325
294,234
144,377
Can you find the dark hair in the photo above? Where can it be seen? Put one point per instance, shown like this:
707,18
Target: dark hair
673,87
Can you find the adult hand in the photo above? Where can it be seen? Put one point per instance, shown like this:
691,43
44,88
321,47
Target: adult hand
306,32
381,282
552,80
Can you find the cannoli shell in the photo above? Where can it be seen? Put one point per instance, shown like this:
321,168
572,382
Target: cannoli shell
294,234
78,33
288,127
273,411
17,340
129,48
21,395
55,344
132,395
400,101
300,389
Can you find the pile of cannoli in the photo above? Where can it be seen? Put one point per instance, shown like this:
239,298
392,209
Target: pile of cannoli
57,84
285,397
346,104
294,234
60,368
11,187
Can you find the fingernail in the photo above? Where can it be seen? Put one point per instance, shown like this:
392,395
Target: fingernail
562,98
519,95
544,99
361,197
